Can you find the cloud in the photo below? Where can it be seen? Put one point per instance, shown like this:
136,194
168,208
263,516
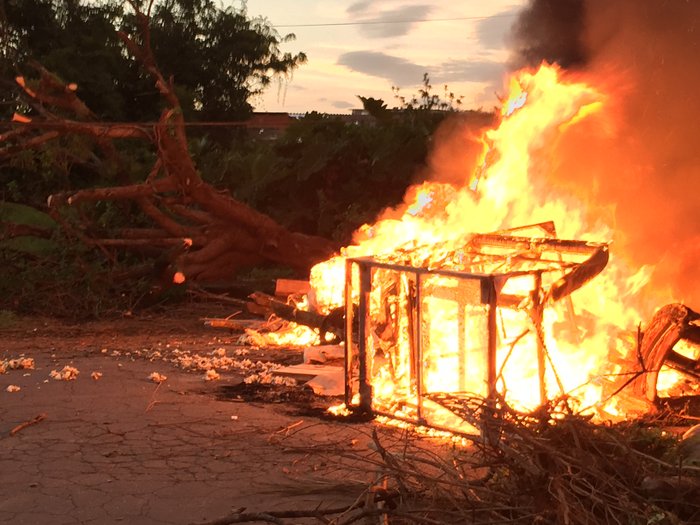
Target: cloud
469,71
387,23
397,70
401,72
342,104
358,7
495,32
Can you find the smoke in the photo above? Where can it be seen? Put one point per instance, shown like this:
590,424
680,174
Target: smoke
638,163
549,30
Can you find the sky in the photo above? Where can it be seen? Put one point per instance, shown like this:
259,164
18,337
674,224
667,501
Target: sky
365,47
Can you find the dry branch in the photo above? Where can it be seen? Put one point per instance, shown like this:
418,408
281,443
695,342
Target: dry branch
26,424
551,470
228,234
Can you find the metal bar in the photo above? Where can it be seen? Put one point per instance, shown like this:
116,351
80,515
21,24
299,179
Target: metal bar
437,271
492,340
348,332
419,345
537,315
490,431
562,245
365,388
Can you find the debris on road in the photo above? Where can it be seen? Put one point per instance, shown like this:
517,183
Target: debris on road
157,378
21,363
67,373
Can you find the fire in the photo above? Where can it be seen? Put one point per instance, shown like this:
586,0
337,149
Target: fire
580,333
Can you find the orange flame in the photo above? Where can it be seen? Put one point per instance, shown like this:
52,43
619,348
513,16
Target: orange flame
509,189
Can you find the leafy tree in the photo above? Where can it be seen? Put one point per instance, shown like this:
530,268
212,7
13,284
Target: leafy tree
218,57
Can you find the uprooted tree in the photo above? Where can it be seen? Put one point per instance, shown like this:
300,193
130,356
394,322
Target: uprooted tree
205,233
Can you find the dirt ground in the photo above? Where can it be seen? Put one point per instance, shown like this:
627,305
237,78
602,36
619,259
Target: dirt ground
113,446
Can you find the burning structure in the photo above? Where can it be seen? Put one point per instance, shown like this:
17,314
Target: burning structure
450,298
428,334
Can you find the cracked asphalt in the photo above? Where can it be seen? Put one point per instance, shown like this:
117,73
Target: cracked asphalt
123,449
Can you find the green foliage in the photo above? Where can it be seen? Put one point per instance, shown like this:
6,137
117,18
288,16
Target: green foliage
217,56
23,214
68,280
325,176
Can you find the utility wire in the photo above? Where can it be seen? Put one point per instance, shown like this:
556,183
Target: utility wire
414,21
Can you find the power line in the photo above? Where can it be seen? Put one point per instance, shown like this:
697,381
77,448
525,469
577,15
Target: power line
414,21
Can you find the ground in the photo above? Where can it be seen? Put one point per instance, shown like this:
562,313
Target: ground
121,448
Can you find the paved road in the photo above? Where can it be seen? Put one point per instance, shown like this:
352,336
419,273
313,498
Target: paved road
123,449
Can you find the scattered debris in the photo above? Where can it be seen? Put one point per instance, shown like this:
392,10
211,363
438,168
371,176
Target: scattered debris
96,375
267,378
322,379
21,363
157,378
67,373
323,353
12,388
216,361
211,375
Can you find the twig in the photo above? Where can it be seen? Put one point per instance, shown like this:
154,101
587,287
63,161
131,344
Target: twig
29,423
276,516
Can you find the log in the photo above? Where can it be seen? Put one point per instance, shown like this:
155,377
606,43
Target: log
332,324
669,325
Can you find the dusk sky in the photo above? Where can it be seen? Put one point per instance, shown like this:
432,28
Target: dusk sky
365,48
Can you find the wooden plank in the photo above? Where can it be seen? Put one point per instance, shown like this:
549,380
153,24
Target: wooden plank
285,287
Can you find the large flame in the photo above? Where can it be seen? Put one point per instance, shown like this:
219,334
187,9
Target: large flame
508,189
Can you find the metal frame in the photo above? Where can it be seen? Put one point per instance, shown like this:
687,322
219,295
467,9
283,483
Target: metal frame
358,322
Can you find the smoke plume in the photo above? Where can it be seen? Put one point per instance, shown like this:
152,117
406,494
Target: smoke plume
638,163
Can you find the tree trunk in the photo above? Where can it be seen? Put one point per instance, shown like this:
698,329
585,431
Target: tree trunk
218,234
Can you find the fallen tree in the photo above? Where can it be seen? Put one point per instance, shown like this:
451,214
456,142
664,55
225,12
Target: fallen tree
211,235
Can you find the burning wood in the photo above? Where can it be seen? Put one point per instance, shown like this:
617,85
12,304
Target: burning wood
672,326
443,312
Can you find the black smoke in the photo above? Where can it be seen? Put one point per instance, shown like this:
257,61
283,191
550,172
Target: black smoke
551,31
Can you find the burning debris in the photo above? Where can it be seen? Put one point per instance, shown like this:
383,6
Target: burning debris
444,299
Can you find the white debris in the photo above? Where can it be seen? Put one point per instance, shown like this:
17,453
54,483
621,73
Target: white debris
157,378
96,375
12,388
266,378
67,373
211,375
21,363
